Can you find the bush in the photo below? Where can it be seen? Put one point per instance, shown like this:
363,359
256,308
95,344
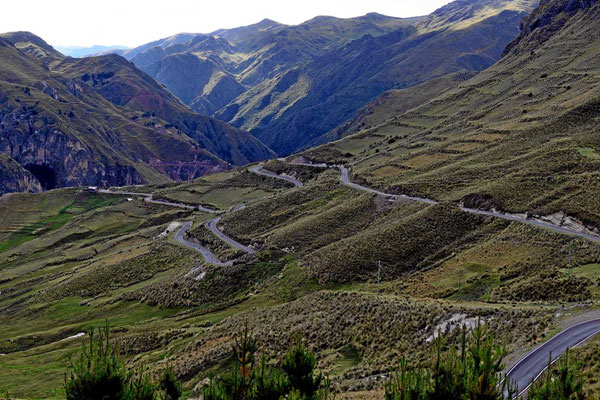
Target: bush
169,384
470,372
563,382
296,379
100,374
473,372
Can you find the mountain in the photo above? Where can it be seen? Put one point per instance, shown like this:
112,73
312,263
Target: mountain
520,136
86,51
291,85
15,178
208,71
100,120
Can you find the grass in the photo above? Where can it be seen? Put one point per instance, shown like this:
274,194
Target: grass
47,224
589,153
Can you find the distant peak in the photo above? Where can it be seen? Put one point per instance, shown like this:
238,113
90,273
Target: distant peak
268,21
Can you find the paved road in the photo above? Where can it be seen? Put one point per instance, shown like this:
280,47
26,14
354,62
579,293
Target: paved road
213,225
540,224
346,181
148,198
209,257
536,362
258,169
108,191
559,229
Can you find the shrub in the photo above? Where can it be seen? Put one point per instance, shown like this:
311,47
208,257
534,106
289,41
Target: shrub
169,384
100,374
470,372
562,382
296,379
473,372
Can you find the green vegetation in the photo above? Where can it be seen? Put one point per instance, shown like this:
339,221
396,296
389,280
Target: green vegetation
296,378
472,371
315,274
561,381
83,204
100,373
589,153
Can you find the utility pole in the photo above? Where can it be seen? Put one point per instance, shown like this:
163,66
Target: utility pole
378,277
570,259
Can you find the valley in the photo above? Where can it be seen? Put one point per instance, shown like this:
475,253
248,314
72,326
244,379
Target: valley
371,185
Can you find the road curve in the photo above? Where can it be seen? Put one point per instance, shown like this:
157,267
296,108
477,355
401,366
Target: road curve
344,179
148,198
258,169
535,363
213,225
209,257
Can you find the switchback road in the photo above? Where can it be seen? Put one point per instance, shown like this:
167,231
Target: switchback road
209,257
213,225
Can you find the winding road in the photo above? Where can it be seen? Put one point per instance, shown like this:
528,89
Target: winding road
213,225
148,198
258,169
344,179
522,373
209,257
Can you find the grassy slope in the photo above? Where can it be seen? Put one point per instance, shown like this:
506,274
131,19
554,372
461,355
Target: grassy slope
519,136
63,277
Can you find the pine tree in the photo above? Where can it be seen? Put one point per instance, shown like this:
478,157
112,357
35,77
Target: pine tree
560,382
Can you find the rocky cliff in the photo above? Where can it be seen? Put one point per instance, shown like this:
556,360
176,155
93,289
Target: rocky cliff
102,121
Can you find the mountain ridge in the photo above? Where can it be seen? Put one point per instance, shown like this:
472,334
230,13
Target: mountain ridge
269,80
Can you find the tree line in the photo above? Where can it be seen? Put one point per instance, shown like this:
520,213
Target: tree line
470,370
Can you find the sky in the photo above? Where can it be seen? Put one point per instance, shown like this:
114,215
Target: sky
135,22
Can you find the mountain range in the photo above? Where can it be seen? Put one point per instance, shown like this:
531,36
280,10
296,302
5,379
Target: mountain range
102,121
463,196
291,85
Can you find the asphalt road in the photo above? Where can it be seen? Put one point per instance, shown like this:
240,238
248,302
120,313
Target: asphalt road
213,225
535,363
209,257
148,198
258,169
344,179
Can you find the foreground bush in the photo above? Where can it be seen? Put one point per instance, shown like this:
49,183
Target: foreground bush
473,372
470,372
561,381
100,374
296,377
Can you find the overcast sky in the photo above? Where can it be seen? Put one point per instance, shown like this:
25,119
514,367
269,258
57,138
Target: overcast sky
135,22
